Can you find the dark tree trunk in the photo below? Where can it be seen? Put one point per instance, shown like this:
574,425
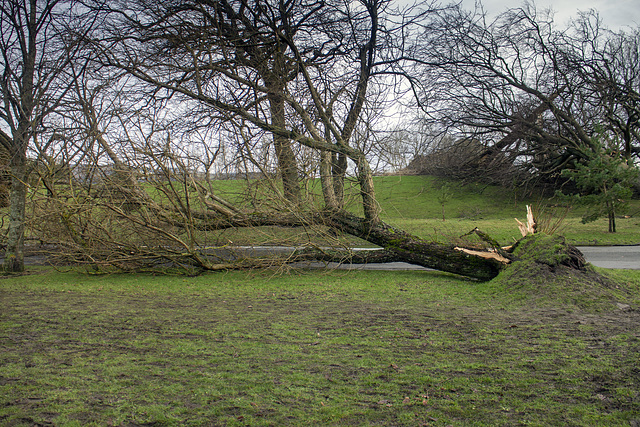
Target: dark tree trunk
14,254
612,218
287,163
412,249
339,169
22,134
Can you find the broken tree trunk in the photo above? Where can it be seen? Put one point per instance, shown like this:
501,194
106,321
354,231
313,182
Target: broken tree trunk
415,250
530,226
399,246
536,254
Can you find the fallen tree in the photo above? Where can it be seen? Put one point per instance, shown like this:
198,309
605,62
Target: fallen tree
242,66
140,234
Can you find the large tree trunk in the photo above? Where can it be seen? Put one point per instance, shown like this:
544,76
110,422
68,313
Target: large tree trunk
404,247
14,254
287,163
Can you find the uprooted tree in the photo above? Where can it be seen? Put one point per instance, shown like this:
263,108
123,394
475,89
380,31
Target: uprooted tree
285,80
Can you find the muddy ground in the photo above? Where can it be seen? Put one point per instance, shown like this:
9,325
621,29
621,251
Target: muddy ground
333,358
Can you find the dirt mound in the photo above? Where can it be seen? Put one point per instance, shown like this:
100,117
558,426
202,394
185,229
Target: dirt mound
547,269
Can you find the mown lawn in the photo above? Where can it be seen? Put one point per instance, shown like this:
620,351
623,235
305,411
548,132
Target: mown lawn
316,348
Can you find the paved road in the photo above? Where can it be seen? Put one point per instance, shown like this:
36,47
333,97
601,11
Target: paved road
613,256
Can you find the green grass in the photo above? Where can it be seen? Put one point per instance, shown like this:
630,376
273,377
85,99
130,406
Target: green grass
411,203
316,348
416,197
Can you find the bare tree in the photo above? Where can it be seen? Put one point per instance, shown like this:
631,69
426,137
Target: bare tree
226,72
608,66
320,59
536,94
199,58
33,53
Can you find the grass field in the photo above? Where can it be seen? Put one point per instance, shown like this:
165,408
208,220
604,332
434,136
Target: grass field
331,347
411,203
316,348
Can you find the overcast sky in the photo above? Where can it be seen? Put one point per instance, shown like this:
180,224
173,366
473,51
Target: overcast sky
616,14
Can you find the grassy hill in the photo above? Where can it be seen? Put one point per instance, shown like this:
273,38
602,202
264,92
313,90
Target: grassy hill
411,203
414,204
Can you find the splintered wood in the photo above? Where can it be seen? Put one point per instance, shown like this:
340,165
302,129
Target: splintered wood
530,226
491,254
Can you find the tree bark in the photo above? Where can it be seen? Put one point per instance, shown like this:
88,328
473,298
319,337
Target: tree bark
326,181
14,254
415,250
367,191
612,217
287,163
339,169
21,135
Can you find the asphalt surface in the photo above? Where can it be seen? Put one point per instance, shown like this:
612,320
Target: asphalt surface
623,257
